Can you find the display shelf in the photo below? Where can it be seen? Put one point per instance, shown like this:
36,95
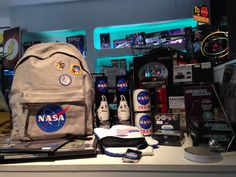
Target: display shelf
72,36
167,161
102,62
110,34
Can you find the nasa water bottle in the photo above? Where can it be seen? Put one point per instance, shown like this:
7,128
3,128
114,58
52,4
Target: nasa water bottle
142,111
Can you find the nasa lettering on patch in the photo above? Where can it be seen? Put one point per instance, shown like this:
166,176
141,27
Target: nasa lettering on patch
122,85
132,156
51,118
102,86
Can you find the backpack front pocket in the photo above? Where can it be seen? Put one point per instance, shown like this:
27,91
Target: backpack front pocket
54,119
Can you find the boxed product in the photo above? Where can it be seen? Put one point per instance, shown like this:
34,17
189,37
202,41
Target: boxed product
123,101
166,121
167,129
193,73
101,102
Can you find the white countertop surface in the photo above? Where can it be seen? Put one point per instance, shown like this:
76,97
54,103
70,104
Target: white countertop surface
165,159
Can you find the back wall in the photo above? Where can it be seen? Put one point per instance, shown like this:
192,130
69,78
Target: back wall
89,14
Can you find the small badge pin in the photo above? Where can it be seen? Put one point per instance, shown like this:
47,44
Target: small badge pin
65,80
60,65
76,69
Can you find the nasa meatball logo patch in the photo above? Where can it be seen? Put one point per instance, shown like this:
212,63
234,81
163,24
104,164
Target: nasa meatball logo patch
51,118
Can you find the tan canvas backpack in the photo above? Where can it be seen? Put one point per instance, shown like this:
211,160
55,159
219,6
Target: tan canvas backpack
52,93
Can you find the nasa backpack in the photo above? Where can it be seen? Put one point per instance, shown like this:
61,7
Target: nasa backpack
52,93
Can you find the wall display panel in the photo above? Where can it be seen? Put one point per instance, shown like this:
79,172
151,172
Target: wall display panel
72,36
118,61
124,36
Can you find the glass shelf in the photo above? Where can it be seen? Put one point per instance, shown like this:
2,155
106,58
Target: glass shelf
112,36
103,62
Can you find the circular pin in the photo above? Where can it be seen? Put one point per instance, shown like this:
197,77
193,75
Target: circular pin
76,69
65,80
60,65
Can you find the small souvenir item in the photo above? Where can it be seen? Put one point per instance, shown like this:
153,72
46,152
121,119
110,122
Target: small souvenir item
103,113
123,110
132,156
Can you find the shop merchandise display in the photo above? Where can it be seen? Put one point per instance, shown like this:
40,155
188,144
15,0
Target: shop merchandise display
119,138
55,105
162,100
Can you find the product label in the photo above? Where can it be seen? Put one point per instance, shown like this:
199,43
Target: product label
122,85
145,122
143,98
102,86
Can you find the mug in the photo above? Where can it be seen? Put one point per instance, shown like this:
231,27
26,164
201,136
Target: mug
141,100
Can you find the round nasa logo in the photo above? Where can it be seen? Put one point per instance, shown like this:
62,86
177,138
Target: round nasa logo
102,86
145,122
122,85
132,155
51,118
76,69
143,98
65,80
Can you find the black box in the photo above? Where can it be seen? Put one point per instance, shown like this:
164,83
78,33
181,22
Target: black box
193,73
152,70
169,138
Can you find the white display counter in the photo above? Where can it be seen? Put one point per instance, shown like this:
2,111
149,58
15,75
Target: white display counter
167,161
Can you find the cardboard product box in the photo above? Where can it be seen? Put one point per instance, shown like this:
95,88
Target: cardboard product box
169,137
199,102
123,101
166,121
193,73
183,73
167,129
176,105
102,110
203,72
